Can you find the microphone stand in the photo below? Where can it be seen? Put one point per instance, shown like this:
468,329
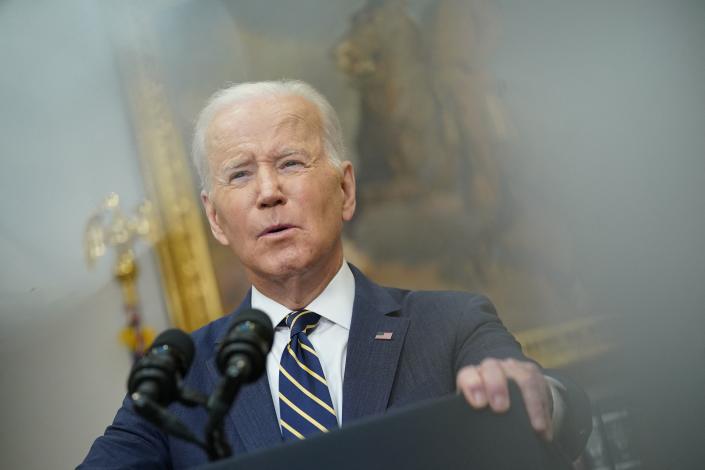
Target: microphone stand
157,382
219,403
216,445
158,415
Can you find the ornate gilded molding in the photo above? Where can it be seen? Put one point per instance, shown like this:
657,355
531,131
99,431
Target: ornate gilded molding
109,227
187,274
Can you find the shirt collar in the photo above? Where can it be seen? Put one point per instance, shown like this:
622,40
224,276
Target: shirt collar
335,303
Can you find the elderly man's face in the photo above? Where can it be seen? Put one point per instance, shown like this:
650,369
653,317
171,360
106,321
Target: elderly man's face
276,199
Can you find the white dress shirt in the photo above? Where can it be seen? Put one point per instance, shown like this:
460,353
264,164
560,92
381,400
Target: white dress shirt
329,338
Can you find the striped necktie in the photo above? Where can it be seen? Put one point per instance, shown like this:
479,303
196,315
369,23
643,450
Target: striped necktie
305,406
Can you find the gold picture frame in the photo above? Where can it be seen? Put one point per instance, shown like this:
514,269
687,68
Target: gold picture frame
185,264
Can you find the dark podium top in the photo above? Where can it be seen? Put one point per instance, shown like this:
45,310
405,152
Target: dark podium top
441,434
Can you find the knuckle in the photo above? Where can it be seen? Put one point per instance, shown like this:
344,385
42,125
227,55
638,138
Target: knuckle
489,362
511,362
496,386
468,376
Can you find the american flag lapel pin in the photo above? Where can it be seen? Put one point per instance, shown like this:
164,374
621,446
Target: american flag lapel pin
384,335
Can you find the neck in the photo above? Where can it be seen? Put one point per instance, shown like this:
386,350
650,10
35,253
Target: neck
300,289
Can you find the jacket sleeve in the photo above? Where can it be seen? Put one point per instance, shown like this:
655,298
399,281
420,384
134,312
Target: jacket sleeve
129,443
576,422
481,334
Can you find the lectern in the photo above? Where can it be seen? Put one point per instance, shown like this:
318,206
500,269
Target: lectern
442,434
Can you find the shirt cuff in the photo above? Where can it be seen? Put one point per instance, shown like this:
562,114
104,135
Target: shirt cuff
559,410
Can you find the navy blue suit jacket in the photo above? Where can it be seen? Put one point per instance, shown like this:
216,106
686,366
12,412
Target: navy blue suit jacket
433,335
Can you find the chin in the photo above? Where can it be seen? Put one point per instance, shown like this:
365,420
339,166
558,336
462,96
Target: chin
290,261
285,264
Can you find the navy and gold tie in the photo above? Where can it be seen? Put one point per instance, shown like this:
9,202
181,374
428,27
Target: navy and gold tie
305,406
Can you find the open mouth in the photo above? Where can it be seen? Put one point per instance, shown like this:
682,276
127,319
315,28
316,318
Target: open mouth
274,229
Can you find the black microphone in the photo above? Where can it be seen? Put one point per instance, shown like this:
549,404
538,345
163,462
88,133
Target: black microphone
157,375
245,347
155,380
241,358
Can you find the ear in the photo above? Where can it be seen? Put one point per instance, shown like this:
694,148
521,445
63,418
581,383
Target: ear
212,215
347,184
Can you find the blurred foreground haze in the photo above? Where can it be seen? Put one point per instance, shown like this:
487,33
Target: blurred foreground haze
605,103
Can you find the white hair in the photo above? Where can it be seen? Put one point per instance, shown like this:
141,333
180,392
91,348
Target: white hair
332,133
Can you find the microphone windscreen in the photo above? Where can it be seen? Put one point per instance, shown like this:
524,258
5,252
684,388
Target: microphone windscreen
179,342
265,328
251,334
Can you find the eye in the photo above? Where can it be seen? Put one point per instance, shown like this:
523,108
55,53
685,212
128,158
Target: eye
291,163
238,175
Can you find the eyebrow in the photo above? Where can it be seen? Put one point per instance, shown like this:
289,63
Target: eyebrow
243,159
234,163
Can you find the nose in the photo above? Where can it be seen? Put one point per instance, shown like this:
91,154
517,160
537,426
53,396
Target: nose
269,192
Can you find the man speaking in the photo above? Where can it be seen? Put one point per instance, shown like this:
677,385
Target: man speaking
277,191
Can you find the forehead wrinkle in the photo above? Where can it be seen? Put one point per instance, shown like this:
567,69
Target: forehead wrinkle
302,125
228,134
218,137
298,111
223,139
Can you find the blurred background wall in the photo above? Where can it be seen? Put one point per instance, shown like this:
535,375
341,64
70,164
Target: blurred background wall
596,127
65,143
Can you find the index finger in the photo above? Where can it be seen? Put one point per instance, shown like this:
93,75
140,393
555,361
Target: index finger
495,381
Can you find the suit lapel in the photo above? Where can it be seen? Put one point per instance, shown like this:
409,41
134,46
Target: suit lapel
371,363
252,416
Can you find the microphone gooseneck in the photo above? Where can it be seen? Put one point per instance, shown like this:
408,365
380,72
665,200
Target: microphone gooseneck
241,358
